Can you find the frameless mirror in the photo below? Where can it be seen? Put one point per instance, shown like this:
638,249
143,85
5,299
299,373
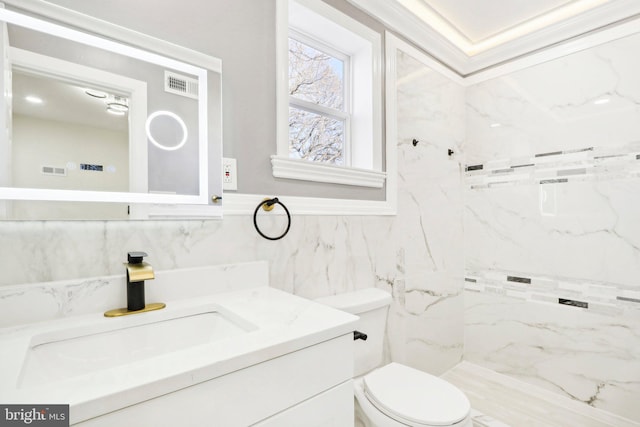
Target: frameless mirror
98,129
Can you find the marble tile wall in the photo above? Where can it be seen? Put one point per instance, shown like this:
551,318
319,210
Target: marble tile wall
45,301
552,237
417,255
427,314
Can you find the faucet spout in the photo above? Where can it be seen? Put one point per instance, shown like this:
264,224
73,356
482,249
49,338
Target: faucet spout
139,272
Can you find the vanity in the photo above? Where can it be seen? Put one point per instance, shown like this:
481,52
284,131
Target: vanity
227,350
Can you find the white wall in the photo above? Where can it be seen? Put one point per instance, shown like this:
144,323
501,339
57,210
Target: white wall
567,225
39,142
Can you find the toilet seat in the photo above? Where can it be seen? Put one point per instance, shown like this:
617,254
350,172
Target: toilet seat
414,397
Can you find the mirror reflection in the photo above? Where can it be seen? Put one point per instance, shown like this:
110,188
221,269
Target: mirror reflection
67,137
93,120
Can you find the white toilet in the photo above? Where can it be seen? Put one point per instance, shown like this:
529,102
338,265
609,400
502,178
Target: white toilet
395,395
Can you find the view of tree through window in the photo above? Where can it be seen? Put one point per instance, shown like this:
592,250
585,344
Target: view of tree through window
317,117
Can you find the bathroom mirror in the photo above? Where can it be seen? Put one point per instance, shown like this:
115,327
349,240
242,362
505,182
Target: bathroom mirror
99,129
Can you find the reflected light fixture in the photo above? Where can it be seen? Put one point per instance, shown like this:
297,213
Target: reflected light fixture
601,101
117,103
95,93
33,99
115,111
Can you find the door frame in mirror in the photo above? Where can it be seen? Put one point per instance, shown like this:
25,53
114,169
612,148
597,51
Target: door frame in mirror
132,38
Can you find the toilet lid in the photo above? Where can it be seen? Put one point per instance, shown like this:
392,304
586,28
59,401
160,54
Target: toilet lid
410,395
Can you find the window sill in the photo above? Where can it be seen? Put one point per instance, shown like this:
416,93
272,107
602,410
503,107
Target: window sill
307,171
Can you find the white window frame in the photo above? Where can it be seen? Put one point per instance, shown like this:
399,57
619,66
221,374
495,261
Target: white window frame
317,20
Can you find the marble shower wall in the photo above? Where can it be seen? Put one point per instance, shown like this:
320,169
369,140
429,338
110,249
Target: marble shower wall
552,237
416,255
427,315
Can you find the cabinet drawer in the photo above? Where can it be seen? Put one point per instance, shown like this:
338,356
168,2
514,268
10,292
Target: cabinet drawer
246,396
333,408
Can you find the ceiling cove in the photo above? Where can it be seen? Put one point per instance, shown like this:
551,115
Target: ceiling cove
469,36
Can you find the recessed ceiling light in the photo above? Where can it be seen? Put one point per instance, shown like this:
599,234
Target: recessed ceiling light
495,125
33,99
601,101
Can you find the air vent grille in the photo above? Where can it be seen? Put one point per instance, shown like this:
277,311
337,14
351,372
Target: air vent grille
53,170
180,85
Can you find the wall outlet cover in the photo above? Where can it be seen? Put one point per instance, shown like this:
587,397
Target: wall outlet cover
229,174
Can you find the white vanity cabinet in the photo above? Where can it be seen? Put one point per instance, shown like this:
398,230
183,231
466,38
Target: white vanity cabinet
308,387
227,350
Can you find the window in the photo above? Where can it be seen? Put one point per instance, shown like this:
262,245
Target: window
318,102
329,106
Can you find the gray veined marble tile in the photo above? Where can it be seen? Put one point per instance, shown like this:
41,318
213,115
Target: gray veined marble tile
517,279
628,299
566,172
499,401
554,181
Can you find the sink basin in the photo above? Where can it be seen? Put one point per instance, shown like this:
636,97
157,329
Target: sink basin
65,354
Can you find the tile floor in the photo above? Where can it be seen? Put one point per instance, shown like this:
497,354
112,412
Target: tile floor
501,401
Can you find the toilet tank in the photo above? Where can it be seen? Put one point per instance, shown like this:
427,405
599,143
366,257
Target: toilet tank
371,305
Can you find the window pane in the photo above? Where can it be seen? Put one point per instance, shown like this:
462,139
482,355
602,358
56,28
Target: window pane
315,76
315,137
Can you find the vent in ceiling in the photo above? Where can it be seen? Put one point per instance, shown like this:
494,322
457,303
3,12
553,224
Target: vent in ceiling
180,85
53,170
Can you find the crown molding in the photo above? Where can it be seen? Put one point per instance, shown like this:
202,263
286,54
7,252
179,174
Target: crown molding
594,20
399,20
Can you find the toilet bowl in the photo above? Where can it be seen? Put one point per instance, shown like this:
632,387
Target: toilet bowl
395,395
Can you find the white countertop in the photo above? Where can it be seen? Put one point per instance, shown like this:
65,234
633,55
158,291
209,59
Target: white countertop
281,323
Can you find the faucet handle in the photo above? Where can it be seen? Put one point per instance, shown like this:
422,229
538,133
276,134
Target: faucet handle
136,257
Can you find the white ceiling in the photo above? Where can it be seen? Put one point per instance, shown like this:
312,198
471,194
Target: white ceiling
471,35
63,102
478,20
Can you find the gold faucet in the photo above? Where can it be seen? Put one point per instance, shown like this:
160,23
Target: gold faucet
137,272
